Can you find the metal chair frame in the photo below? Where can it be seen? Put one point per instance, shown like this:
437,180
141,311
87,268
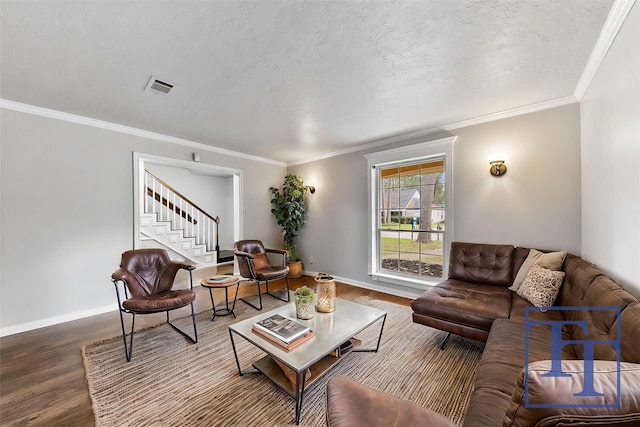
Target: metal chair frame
286,298
128,350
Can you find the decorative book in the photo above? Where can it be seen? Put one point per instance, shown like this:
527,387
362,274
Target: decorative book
286,330
344,348
290,346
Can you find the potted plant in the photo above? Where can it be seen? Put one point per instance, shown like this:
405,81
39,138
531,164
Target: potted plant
289,209
305,300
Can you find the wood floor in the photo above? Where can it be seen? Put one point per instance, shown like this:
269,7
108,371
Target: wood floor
42,379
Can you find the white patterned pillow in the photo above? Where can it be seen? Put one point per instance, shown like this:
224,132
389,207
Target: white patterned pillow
541,286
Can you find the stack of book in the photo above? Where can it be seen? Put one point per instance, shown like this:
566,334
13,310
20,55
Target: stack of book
284,332
344,348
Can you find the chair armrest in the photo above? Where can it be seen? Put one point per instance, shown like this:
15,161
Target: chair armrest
575,409
244,254
350,404
277,251
184,265
285,254
119,274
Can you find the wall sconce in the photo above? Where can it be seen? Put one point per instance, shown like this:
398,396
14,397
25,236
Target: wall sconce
497,160
311,188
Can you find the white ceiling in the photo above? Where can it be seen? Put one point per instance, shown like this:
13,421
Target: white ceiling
290,81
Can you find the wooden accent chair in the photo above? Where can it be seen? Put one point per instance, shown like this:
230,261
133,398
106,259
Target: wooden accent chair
149,274
255,267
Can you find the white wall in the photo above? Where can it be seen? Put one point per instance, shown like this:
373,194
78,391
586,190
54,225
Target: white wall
536,204
67,213
610,126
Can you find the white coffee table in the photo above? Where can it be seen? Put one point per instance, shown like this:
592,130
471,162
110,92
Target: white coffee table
332,329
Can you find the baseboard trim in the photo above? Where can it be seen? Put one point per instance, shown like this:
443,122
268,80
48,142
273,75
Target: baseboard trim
55,320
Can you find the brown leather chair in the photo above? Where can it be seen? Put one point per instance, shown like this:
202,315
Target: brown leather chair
350,404
255,267
148,274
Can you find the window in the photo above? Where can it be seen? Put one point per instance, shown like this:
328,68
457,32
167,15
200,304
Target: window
411,217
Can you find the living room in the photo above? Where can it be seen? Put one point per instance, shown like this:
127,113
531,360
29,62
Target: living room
572,184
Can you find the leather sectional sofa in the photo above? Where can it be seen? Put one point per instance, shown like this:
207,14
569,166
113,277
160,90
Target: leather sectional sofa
475,302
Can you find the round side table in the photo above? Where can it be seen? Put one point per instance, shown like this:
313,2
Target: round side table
231,281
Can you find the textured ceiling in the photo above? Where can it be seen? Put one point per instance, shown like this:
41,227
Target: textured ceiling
294,80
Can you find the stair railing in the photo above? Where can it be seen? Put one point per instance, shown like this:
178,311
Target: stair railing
171,206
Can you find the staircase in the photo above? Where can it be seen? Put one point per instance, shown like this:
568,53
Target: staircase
162,232
175,222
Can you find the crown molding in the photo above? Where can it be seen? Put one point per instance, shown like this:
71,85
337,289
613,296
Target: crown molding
101,124
610,29
424,133
87,121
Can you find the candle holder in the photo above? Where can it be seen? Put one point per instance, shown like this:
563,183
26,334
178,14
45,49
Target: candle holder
326,293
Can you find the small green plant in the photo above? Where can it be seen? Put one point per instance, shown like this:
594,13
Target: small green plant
305,295
288,208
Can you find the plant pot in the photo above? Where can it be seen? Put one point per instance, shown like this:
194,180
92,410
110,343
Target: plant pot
295,269
305,310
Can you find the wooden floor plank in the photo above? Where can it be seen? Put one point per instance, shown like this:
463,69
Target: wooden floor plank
42,378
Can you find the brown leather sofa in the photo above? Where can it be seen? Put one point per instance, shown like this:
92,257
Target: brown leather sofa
475,302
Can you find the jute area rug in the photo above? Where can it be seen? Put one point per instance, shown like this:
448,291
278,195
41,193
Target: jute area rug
171,382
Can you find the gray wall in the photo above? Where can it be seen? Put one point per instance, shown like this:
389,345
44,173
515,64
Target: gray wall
610,122
67,213
536,204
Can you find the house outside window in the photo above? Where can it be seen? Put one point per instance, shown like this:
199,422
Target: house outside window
411,218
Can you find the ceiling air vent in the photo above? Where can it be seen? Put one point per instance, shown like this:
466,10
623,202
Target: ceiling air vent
156,85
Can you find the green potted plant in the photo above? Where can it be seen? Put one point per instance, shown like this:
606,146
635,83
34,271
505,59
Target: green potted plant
305,300
288,207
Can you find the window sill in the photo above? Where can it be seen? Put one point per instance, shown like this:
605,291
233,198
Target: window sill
408,281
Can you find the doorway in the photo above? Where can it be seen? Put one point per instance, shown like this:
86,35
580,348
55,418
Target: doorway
143,162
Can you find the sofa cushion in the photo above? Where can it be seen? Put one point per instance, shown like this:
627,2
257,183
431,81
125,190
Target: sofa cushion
464,303
541,286
260,261
579,274
520,254
602,324
552,261
481,263
629,331
519,305
588,410
501,364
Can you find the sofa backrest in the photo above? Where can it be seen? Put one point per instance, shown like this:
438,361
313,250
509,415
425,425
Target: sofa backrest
586,286
520,254
481,263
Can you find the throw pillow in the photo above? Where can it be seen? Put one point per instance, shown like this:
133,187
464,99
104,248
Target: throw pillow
552,261
541,286
260,261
